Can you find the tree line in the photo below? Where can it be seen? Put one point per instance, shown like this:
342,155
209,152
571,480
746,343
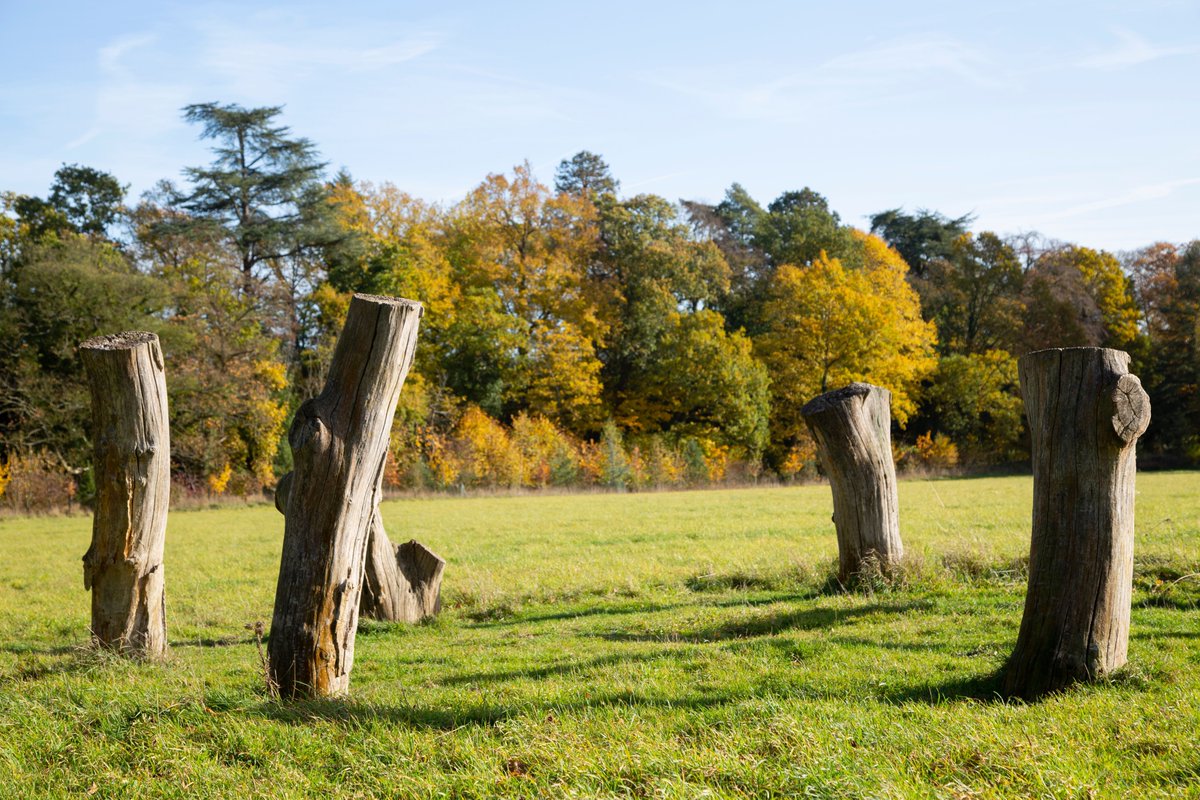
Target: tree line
573,334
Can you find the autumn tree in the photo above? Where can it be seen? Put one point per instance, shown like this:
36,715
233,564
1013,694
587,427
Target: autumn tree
519,253
1077,296
974,295
827,325
1167,282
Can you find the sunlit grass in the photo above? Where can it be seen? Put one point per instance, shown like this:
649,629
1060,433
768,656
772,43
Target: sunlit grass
614,645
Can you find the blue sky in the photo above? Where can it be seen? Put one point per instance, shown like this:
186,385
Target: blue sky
1079,120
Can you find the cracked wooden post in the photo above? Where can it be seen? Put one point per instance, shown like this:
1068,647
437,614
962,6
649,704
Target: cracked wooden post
338,440
131,444
853,430
1085,414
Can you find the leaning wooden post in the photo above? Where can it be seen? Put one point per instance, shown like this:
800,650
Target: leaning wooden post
338,441
852,428
1085,414
132,462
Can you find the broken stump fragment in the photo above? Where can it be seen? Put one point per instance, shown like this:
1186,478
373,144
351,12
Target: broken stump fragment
131,447
403,582
852,428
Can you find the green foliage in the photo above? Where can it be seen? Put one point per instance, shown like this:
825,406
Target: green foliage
975,399
586,174
921,238
614,463
56,294
89,198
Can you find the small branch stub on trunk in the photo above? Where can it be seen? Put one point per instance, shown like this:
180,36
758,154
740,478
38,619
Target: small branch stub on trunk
1086,413
131,444
852,428
339,440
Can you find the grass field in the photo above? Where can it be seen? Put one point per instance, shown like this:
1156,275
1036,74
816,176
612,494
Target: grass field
651,645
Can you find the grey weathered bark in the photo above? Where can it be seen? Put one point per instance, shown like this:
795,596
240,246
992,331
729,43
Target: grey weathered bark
339,440
132,462
852,428
1085,414
403,582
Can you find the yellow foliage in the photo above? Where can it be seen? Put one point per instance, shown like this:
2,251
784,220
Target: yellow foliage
716,459
218,482
827,326
936,451
5,475
488,455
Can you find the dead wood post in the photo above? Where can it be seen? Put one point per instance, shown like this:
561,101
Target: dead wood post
852,428
339,440
1085,414
132,462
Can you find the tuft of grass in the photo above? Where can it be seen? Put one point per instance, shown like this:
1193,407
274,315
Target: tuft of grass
661,645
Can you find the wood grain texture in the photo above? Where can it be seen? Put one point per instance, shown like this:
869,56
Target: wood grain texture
131,443
339,440
852,428
1085,414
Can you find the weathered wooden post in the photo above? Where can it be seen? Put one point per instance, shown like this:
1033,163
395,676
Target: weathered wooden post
403,582
852,428
132,462
338,441
1085,414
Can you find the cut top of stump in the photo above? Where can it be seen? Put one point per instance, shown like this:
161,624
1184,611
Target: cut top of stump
392,301
837,397
126,340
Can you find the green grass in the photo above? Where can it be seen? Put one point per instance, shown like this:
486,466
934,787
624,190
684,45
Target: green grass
655,645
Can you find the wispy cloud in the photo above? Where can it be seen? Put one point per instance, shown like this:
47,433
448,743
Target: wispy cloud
854,76
262,60
1131,50
1139,194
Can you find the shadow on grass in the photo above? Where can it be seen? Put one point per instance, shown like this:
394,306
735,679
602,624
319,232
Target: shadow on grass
978,688
767,624
556,669
479,620
353,714
210,642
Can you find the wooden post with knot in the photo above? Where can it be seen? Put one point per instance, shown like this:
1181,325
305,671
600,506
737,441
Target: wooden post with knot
131,447
1086,413
853,430
339,441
